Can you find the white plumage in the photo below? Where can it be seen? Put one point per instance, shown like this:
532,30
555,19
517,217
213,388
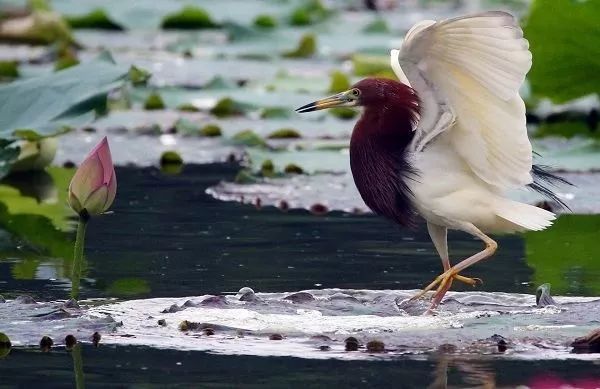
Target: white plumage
471,142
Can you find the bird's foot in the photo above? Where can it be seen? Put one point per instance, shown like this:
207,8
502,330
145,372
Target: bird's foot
443,283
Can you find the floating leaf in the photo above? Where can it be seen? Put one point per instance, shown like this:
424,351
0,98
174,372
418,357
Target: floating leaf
292,168
171,157
228,107
307,47
265,21
566,130
563,37
284,133
185,126
97,19
189,18
312,11
187,107
275,113
339,82
211,130
51,104
267,169
248,138
377,26
371,65
9,70
154,102
343,113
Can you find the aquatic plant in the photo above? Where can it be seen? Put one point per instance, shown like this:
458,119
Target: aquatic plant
265,21
9,70
154,102
97,19
563,37
248,138
189,18
284,133
91,192
339,82
83,97
211,130
307,47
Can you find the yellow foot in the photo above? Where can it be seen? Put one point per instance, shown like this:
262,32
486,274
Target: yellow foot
443,283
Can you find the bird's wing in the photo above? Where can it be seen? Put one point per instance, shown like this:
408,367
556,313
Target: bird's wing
467,72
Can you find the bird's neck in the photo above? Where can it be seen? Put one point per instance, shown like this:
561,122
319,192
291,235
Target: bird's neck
379,162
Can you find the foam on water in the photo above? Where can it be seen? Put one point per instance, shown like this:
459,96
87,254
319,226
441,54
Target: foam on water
315,323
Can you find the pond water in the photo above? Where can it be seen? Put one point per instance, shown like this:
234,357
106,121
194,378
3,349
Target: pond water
177,240
180,243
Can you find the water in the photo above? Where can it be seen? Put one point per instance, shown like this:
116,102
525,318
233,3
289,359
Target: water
177,241
170,238
119,366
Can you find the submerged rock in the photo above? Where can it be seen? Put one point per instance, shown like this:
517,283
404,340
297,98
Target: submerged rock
247,294
172,309
344,297
71,304
351,343
375,346
214,301
275,337
25,299
46,344
300,297
70,342
96,338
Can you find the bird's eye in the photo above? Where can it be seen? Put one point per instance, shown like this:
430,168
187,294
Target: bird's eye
355,92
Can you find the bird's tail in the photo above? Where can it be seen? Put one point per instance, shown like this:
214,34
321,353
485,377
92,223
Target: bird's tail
524,216
543,181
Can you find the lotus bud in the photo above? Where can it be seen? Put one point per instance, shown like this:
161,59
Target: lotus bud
94,185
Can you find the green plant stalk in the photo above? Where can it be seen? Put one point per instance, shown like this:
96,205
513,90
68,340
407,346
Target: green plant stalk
78,254
78,367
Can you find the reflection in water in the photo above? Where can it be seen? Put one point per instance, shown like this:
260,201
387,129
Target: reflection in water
477,374
78,366
36,184
120,366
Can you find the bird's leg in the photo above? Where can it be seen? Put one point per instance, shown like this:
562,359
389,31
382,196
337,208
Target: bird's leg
439,238
444,280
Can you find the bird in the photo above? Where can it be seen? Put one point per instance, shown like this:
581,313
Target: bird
447,140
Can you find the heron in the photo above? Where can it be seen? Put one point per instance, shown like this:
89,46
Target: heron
448,139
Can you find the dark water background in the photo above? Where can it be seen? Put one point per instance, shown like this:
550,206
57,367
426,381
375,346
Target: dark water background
166,237
168,234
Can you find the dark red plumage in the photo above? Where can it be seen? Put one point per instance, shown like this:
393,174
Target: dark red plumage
378,147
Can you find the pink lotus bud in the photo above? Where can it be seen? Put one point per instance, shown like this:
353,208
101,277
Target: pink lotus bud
94,185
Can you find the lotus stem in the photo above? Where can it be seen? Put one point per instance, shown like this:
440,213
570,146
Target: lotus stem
78,254
78,367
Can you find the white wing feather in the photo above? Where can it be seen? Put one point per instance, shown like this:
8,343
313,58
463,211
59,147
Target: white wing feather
467,72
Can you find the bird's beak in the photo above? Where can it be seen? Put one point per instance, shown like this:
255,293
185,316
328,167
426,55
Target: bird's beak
343,99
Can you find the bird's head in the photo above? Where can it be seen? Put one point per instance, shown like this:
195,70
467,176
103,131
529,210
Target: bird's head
369,92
